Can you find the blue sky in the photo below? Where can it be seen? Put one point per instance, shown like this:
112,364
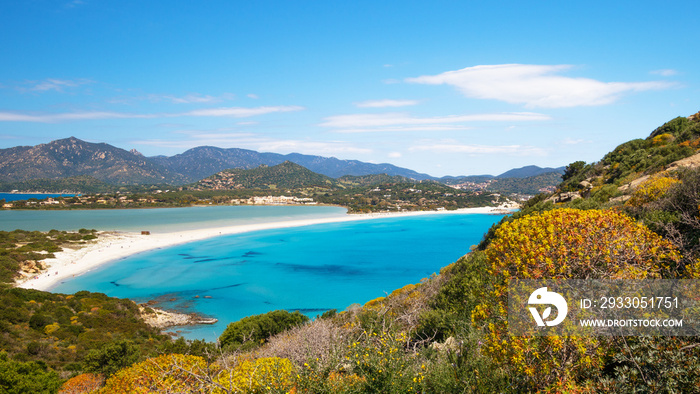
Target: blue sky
441,87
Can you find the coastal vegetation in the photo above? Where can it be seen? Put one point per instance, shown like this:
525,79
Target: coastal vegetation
626,217
368,193
22,252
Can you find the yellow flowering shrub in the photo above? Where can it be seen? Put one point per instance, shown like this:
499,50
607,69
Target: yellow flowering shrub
343,382
51,328
82,384
379,361
166,373
563,243
662,139
651,190
177,373
261,375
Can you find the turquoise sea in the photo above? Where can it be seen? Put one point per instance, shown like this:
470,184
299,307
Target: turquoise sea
310,269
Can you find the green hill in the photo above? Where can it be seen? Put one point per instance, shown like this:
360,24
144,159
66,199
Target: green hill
287,175
676,139
529,185
370,180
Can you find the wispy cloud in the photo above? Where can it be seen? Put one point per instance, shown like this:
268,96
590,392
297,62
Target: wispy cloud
451,146
386,103
535,85
397,121
574,141
52,118
241,112
312,147
667,72
199,98
429,127
235,112
75,3
53,84
191,98
224,139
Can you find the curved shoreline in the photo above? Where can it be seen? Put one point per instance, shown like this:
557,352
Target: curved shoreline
112,246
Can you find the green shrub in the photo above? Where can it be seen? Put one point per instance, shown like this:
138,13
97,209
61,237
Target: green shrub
111,358
31,377
252,331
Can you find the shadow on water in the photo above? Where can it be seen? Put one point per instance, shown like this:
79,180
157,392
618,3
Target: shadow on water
187,256
308,310
325,269
190,293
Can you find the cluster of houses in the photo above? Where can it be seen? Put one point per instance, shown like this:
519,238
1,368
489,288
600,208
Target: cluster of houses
275,200
477,187
77,201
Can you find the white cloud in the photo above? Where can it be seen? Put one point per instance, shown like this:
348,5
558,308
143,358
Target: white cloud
54,84
386,103
450,146
397,121
75,3
395,155
51,118
253,96
574,141
535,85
667,72
198,98
430,127
311,147
191,98
240,112
235,112
224,139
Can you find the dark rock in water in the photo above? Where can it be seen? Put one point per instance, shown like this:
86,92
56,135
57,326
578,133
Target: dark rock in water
251,254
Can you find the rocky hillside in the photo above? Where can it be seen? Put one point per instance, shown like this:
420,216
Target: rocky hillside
73,157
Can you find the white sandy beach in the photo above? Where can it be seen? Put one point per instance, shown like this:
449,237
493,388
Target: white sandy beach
111,246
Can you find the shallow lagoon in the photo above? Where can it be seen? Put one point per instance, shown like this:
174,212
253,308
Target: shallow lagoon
159,219
310,269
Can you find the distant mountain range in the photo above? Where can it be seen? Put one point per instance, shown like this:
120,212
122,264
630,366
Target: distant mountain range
529,171
72,157
198,163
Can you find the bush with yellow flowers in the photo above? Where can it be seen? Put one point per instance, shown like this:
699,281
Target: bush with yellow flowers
83,383
166,373
266,375
651,190
191,374
562,243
